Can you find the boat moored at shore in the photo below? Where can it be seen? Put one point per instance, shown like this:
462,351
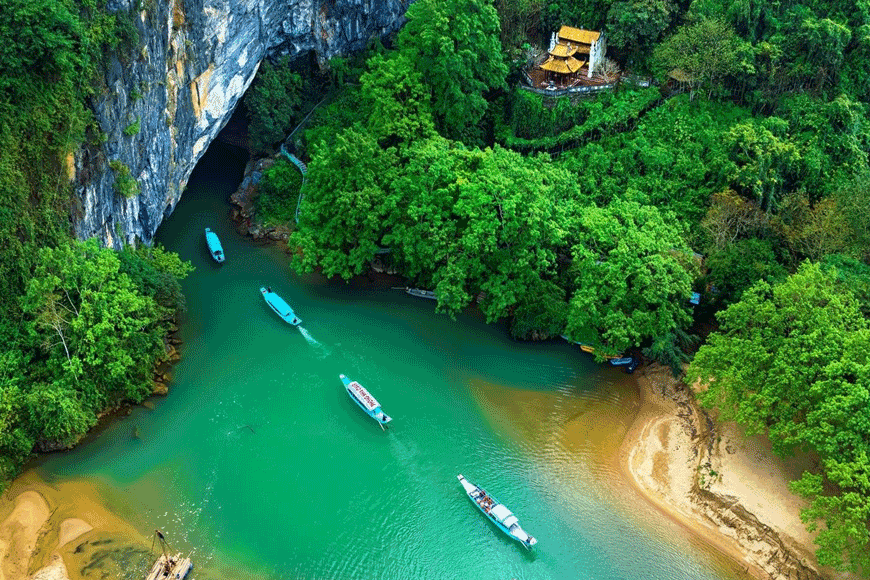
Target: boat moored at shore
497,512
365,400
280,307
420,293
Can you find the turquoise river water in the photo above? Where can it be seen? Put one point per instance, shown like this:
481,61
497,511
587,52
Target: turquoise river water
260,465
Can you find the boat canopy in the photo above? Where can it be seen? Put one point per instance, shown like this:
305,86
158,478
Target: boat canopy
501,513
363,396
282,307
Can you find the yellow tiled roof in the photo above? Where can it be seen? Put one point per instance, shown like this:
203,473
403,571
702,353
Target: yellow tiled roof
563,65
570,34
563,50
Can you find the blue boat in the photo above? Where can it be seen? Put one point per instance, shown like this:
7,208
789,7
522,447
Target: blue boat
214,246
365,400
497,513
280,307
629,363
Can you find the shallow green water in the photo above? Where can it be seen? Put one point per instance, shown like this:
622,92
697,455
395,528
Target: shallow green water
259,460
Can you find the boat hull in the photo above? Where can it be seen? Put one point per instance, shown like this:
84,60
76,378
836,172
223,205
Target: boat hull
365,401
214,246
281,308
420,293
492,509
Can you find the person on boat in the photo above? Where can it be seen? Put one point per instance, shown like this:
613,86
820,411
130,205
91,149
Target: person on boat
269,289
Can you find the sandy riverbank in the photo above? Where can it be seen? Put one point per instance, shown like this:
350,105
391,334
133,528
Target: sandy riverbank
725,488
63,532
729,489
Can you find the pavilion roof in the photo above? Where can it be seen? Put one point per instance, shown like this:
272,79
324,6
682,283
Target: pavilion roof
579,35
563,50
564,66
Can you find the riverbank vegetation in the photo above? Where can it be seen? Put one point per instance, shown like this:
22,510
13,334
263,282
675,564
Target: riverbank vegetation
740,173
81,327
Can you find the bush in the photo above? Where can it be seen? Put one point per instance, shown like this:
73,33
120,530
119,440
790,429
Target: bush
279,193
125,185
133,128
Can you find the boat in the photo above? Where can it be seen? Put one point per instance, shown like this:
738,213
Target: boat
167,566
365,400
214,246
280,307
589,348
420,293
497,512
628,363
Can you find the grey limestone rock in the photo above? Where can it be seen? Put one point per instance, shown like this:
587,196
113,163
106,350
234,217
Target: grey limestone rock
162,105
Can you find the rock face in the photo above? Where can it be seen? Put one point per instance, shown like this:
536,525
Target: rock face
163,104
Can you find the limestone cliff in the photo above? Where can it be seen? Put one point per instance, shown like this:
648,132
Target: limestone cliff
164,104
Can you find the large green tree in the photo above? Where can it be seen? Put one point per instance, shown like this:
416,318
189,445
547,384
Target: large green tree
479,221
396,100
765,160
706,52
636,25
455,46
791,359
95,332
632,274
343,212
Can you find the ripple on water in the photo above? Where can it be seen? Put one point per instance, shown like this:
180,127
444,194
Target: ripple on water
313,489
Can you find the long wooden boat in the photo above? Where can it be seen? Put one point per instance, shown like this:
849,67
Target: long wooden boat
365,400
280,307
497,513
170,568
420,293
214,246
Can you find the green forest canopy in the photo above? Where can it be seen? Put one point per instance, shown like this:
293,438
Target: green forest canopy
579,217
588,217
81,327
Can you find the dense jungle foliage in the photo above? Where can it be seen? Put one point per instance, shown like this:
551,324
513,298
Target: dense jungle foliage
741,172
81,327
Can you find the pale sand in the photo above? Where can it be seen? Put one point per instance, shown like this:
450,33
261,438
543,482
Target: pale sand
70,529
19,533
55,532
67,531
56,570
729,489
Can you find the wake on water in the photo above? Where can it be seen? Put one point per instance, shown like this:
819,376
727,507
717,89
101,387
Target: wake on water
313,342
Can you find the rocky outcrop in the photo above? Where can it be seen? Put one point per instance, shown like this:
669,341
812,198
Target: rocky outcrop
163,104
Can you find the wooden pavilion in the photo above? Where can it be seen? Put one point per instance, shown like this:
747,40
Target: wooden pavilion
574,53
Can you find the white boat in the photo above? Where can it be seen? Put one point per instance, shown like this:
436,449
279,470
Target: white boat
365,400
497,512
